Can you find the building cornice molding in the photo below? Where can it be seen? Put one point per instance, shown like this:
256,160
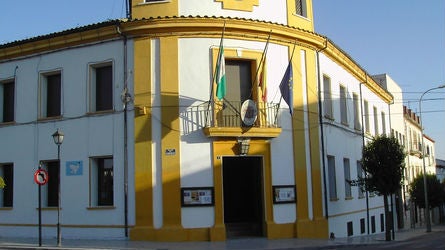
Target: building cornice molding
192,26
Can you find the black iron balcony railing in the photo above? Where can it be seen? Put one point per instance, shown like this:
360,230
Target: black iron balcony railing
228,114
224,119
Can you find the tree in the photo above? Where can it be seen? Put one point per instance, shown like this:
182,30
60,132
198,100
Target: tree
383,162
436,193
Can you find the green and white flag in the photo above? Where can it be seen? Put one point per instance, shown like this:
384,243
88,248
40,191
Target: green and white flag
221,75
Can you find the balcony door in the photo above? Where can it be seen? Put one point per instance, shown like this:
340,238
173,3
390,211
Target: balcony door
239,80
239,89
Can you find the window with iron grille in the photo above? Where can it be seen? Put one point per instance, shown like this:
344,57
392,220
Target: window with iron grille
347,172
300,7
102,181
332,178
7,192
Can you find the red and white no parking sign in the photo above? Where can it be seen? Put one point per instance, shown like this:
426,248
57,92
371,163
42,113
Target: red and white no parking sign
41,177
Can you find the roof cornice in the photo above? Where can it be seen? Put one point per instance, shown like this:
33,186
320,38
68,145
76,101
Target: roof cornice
191,26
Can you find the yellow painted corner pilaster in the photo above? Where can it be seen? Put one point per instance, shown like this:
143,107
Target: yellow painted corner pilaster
298,135
142,147
314,135
170,137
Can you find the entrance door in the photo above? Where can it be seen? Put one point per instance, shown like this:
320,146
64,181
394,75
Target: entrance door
243,199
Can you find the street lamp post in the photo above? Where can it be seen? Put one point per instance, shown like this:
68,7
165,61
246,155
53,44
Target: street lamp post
425,188
58,139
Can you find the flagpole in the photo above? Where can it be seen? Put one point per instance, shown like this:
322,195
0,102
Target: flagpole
214,74
263,56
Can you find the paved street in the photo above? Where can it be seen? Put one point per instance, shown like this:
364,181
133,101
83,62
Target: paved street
434,240
405,239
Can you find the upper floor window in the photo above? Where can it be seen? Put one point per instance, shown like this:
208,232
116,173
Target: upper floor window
239,80
376,121
343,105
356,103
101,87
300,7
384,123
50,94
327,97
366,111
7,94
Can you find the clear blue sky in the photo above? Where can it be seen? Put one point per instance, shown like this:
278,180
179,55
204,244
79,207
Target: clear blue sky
405,39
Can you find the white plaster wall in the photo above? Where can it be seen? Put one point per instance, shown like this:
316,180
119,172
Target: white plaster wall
343,142
28,142
267,10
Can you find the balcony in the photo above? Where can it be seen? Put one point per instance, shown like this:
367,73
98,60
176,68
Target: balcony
232,119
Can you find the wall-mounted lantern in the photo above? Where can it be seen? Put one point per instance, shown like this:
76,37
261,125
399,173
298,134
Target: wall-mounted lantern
244,144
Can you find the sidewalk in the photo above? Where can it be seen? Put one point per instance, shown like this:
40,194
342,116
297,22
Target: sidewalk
233,244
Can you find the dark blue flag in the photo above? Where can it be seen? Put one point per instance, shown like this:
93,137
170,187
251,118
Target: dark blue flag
286,87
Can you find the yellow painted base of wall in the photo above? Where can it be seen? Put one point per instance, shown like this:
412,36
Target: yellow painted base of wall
218,233
316,229
170,234
280,231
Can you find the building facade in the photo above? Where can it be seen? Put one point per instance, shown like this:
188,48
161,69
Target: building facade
153,152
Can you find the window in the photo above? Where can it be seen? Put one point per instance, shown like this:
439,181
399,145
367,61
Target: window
362,226
239,79
52,191
300,7
357,122
382,222
101,87
376,121
360,174
101,181
347,171
238,89
7,94
50,94
332,178
350,228
383,123
7,193
366,111
327,97
343,105
373,224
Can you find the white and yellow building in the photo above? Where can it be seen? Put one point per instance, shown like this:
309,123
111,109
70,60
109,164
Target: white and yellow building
151,153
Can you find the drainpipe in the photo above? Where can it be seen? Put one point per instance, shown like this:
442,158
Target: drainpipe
363,145
320,118
126,98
